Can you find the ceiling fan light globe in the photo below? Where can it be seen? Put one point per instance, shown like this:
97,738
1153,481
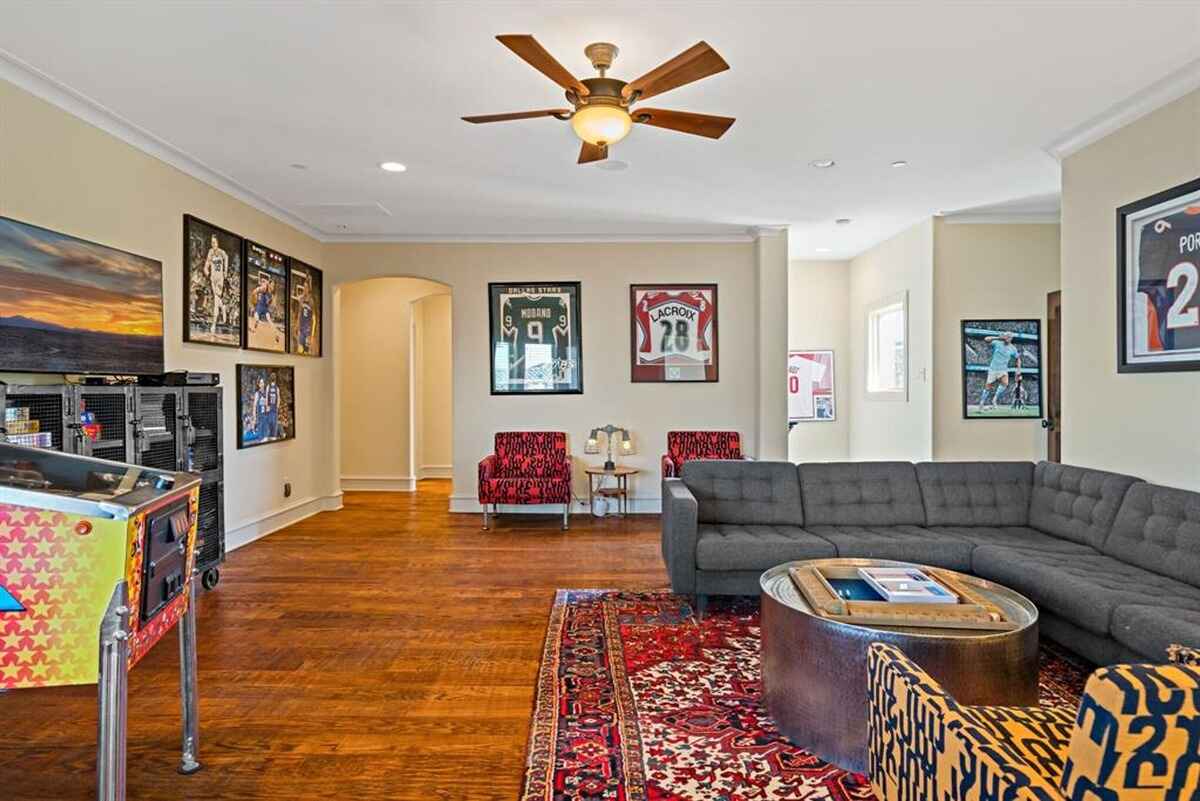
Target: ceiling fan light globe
601,124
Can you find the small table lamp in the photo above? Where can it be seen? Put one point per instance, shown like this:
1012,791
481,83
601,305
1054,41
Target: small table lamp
593,443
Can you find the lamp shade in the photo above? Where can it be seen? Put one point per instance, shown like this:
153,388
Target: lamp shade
601,125
626,443
593,442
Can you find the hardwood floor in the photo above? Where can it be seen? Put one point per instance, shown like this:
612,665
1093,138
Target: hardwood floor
387,651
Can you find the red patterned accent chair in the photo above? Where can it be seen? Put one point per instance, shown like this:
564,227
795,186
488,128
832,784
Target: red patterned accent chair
684,446
527,467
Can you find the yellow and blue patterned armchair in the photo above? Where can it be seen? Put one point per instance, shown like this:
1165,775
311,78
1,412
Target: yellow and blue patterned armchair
1135,737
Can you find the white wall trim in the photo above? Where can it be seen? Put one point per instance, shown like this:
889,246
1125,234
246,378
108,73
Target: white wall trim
536,239
1028,218
1158,94
41,85
469,504
251,530
379,483
436,471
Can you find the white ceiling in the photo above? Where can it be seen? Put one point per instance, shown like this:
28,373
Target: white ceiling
970,93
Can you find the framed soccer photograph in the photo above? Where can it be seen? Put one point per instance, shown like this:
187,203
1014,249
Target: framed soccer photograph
305,312
212,284
536,346
673,333
1158,282
1002,369
266,404
264,313
810,387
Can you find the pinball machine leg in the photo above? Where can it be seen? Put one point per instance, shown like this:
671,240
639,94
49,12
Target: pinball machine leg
190,763
113,691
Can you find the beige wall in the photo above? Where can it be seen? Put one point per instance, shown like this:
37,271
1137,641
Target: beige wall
59,172
1142,423
606,271
818,301
433,391
990,271
376,354
888,429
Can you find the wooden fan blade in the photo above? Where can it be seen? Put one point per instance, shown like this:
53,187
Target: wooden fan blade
698,61
518,115
684,121
537,57
590,153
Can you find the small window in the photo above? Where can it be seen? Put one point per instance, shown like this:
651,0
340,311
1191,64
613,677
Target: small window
887,348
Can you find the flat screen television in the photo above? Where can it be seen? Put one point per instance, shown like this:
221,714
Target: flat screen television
72,306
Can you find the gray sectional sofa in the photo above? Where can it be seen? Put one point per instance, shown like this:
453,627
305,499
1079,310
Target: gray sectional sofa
1112,562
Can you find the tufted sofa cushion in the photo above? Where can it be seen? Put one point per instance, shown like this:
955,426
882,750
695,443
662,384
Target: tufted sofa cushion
762,493
1086,589
1158,528
1151,630
861,494
902,543
1076,503
751,547
1021,537
976,493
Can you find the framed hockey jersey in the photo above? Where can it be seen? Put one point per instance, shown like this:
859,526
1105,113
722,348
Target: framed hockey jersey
1158,282
535,339
673,332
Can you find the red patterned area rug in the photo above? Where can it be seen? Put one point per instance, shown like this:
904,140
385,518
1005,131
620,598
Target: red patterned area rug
639,701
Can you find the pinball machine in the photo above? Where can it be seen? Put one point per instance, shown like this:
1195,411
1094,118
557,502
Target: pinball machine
96,566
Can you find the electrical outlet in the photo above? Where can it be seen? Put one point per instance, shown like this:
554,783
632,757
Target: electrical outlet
287,489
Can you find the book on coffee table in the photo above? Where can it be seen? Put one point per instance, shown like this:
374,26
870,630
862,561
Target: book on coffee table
906,585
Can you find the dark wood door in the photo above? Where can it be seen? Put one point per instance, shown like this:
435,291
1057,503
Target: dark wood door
1053,422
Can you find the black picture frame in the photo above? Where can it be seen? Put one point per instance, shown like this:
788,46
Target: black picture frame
247,416
1163,299
971,341
658,373
276,265
195,232
315,281
567,349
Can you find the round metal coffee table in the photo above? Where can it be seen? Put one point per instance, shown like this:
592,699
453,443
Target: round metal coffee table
814,669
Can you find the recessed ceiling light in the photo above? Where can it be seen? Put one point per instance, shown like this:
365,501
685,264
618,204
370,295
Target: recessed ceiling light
900,163
298,166
822,164
842,221
392,166
824,250
612,165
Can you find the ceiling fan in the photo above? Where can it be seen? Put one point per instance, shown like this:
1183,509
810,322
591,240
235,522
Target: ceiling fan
603,112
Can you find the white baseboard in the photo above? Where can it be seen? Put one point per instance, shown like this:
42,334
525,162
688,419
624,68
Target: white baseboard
436,471
379,484
248,532
469,504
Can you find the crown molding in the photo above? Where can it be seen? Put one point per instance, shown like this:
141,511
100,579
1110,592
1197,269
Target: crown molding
768,231
1153,97
37,83
1016,218
535,239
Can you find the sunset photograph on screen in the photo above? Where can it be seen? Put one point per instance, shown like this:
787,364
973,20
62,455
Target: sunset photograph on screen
72,306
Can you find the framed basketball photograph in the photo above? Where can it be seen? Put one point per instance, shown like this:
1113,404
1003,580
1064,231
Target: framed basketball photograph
305,313
810,387
673,332
536,346
265,300
1002,369
1158,282
212,284
266,404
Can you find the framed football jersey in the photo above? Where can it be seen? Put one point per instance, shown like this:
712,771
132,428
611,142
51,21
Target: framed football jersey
673,332
535,339
1158,282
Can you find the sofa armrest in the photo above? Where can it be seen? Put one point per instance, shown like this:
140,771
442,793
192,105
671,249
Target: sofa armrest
487,470
669,469
923,744
565,470
679,513
1136,729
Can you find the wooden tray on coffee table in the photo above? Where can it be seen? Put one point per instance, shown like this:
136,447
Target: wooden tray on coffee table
973,611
